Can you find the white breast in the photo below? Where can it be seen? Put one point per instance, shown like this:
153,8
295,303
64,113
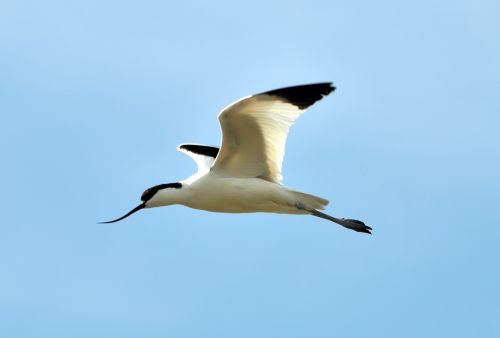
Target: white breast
238,195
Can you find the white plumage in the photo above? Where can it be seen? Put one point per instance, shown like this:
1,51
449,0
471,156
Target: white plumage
254,132
203,162
245,174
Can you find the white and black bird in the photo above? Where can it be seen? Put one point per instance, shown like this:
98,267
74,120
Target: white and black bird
244,175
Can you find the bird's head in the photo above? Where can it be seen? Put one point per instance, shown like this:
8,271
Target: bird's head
159,195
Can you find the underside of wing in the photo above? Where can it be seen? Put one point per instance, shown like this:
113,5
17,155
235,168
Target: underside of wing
204,156
255,128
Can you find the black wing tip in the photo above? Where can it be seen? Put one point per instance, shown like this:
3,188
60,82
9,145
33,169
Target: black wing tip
200,149
303,96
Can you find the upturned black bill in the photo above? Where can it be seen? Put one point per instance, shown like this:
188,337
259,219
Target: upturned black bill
137,208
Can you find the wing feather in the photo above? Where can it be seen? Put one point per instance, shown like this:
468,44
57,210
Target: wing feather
204,156
255,128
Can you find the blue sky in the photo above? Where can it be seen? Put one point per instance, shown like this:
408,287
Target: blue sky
95,96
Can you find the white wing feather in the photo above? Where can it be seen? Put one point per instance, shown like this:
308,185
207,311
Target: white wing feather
203,162
254,132
255,128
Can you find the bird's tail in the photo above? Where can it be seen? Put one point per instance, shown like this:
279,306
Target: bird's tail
309,202
312,204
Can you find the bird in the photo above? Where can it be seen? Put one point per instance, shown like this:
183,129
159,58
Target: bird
244,174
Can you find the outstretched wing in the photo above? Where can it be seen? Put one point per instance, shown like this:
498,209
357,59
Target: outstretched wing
204,156
254,130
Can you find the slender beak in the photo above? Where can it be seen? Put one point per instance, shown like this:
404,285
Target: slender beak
137,208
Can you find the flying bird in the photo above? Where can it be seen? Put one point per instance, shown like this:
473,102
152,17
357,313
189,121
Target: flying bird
244,174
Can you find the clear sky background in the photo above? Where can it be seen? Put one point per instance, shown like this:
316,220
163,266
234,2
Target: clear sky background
96,95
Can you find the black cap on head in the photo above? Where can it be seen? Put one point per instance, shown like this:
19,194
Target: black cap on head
146,196
149,193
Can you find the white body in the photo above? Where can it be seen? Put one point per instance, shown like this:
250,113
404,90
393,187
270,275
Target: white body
246,173
217,193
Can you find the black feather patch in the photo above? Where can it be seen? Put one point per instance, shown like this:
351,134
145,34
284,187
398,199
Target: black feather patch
201,150
149,193
303,96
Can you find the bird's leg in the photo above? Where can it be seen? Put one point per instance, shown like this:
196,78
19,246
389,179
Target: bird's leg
352,224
